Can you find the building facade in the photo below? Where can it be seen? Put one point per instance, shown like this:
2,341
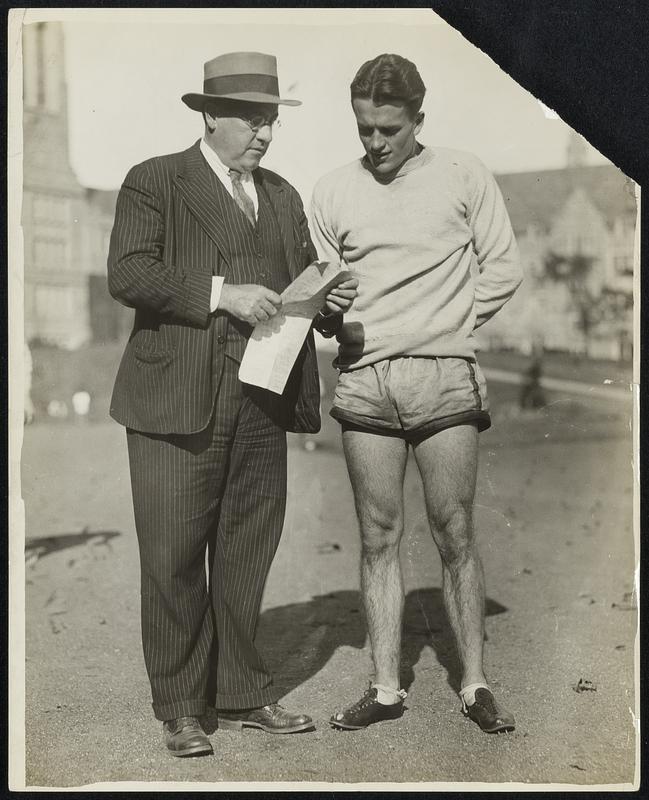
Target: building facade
65,225
575,228
576,232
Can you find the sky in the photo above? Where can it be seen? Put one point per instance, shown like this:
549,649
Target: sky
126,70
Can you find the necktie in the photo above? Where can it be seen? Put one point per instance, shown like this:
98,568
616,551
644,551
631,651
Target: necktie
241,198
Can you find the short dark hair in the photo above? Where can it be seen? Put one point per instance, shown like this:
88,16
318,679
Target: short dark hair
389,79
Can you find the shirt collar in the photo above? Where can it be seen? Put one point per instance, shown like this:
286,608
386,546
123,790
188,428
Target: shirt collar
218,166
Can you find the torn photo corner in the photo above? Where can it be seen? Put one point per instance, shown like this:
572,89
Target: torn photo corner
274,345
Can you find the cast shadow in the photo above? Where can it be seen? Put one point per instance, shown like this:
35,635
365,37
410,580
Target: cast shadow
39,546
297,640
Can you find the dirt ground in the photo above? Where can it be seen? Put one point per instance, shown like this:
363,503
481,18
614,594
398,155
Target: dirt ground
554,515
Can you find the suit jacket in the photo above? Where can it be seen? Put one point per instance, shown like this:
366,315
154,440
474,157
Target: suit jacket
170,237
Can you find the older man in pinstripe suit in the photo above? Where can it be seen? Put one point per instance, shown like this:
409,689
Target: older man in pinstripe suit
204,242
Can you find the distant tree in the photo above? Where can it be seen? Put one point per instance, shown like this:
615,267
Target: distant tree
616,312
574,271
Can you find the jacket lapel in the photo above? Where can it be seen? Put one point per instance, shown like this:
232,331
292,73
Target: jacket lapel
279,199
204,195
210,204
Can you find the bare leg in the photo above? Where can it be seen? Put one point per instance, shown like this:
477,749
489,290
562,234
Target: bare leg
447,463
376,466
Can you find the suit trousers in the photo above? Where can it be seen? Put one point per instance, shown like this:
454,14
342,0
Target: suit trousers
220,492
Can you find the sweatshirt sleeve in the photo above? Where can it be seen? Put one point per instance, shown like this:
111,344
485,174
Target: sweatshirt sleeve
328,250
499,269
139,275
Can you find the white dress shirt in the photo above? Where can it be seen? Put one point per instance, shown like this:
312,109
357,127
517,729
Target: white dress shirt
223,174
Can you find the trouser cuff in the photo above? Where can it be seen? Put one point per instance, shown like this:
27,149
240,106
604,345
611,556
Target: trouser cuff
181,708
239,702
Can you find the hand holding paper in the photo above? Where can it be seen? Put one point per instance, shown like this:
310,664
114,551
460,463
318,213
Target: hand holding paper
274,345
308,292
249,302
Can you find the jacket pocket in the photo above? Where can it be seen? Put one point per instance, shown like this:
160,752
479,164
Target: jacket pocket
160,357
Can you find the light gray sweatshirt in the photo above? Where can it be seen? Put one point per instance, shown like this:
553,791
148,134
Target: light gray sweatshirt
433,251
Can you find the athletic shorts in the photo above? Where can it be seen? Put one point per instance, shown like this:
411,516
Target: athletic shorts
412,398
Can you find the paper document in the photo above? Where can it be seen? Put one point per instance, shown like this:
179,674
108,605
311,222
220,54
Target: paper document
274,345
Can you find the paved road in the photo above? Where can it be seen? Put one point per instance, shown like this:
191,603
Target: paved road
607,391
554,513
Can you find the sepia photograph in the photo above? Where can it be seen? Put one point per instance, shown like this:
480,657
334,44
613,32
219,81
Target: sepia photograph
323,412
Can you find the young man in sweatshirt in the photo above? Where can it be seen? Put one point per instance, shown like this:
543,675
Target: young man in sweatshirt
426,232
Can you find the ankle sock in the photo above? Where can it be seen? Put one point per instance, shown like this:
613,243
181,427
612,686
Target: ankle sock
467,693
388,696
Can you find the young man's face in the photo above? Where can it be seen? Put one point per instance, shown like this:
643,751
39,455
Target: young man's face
387,132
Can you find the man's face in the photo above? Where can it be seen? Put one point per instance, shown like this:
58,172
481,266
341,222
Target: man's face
242,133
387,132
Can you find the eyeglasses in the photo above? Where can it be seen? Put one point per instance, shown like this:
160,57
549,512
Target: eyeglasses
259,121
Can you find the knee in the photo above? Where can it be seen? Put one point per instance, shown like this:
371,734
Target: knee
453,533
380,533
172,569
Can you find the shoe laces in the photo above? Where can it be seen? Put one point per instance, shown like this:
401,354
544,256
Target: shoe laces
368,699
487,701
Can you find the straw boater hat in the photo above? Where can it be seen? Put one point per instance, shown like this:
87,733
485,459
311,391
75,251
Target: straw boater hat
251,77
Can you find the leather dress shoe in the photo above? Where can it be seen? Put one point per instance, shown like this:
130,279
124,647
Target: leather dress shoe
185,737
367,711
486,713
272,718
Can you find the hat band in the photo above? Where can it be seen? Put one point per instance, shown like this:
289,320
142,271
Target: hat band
236,84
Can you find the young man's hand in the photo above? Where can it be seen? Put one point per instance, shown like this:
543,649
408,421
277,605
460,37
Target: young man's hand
340,299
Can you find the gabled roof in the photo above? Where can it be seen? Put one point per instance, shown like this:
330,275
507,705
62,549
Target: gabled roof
536,197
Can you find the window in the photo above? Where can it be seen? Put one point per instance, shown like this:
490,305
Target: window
50,208
50,254
55,302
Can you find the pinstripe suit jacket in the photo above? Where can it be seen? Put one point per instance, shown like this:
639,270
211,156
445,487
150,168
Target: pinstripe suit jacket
172,233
